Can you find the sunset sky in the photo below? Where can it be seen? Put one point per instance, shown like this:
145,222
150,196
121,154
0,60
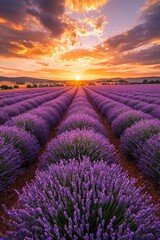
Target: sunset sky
71,39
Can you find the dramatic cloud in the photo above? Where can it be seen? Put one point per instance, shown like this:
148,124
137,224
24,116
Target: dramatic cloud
140,44
150,56
61,35
20,43
13,10
139,35
32,28
80,6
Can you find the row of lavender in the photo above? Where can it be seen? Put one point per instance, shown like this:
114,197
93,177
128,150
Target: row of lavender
139,133
144,103
22,136
6,95
80,191
23,106
18,96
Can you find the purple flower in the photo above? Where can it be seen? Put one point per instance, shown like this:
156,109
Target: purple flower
3,116
115,112
32,124
82,110
48,114
83,201
77,144
149,160
23,142
126,120
81,121
10,164
134,137
156,112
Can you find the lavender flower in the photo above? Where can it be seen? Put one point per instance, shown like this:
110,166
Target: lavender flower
48,114
82,103
32,124
133,138
126,120
23,142
3,116
86,201
149,160
10,164
76,144
156,112
80,109
115,112
81,121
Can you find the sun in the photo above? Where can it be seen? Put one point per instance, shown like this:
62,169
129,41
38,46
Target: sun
78,78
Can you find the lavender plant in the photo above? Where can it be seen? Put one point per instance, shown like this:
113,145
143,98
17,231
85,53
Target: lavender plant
32,124
81,121
86,201
126,120
81,110
113,113
133,138
10,164
48,114
156,112
77,144
22,141
149,160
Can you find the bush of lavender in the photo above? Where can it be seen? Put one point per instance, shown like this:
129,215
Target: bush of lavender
11,111
10,164
32,124
115,112
107,106
126,120
77,144
133,138
156,112
148,108
81,103
81,121
3,116
25,143
149,161
81,110
86,201
48,114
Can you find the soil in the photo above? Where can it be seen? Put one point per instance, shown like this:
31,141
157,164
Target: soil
9,197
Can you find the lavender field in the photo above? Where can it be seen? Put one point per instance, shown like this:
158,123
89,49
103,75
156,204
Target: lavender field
84,161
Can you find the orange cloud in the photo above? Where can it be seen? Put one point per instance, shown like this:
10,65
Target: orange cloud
94,55
83,5
97,24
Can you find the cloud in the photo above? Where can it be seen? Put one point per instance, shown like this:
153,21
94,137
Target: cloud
150,56
13,10
139,34
24,43
83,5
139,45
43,63
49,21
97,23
48,12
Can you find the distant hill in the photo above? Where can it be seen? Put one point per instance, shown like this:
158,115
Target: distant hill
25,80
137,80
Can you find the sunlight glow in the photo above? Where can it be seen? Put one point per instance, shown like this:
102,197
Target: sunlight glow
78,78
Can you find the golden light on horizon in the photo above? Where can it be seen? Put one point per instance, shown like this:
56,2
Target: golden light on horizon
78,78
